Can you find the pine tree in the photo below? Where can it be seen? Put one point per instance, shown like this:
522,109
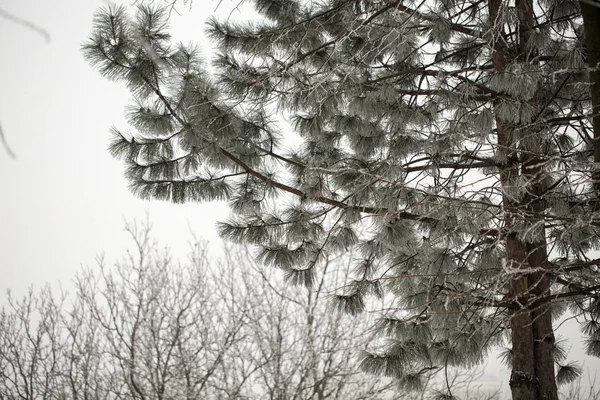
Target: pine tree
450,143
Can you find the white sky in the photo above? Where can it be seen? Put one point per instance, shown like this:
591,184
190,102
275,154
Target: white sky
64,198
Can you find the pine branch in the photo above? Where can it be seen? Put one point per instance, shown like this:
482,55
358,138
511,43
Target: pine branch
299,193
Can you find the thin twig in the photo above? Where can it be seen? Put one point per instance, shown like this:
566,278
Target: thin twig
5,144
28,24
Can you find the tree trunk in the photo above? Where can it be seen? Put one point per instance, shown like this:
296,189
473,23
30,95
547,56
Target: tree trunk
536,248
532,376
590,11
539,281
523,381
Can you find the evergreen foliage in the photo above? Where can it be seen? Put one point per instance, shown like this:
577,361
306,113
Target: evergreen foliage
449,143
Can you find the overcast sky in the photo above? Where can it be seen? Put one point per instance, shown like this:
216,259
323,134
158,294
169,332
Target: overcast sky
64,198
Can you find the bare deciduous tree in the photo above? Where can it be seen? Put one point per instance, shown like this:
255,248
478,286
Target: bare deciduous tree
149,327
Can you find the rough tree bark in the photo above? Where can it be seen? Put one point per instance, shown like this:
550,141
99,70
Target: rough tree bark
590,11
532,375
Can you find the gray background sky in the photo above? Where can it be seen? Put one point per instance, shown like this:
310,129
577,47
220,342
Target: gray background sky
64,198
